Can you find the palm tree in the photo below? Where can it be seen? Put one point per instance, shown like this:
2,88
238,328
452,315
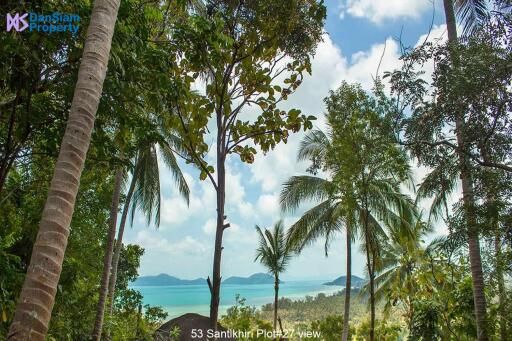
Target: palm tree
37,297
274,253
325,219
343,205
107,259
400,257
465,173
144,190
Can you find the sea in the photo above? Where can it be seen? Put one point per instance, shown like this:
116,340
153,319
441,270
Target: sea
177,300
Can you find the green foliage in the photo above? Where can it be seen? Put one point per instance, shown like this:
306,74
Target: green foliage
384,331
330,328
241,67
241,317
273,250
425,323
38,73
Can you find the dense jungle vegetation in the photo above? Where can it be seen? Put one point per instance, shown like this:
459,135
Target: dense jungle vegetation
81,146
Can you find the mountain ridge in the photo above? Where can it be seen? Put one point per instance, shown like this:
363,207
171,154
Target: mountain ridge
257,278
355,281
168,280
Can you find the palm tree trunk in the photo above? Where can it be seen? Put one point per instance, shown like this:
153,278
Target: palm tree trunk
107,260
348,288
118,245
369,260
276,296
370,263
34,309
497,251
372,297
501,290
468,199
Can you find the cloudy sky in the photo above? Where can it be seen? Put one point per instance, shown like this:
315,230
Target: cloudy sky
358,32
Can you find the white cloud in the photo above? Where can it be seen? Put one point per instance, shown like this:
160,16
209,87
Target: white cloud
380,10
210,226
268,204
246,210
174,210
330,68
186,246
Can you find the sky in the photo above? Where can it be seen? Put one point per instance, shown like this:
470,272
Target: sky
357,34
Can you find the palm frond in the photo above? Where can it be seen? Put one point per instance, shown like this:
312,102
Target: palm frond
299,189
314,146
314,223
147,196
439,184
171,162
273,251
472,14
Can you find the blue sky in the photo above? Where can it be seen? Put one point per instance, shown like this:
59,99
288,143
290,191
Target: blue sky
357,33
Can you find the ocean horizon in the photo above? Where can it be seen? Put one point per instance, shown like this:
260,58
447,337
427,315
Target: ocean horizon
177,300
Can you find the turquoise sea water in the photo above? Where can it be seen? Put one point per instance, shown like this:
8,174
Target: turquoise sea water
180,299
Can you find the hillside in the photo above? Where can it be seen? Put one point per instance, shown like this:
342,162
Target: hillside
259,278
164,279
356,281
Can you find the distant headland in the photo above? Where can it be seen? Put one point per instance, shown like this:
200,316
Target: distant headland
355,281
168,280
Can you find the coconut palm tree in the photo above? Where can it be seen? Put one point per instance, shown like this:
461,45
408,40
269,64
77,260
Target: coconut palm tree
37,297
107,259
143,193
340,207
401,255
144,190
274,253
327,218
464,7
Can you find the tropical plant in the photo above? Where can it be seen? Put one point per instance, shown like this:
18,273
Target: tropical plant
367,168
239,49
144,190
402,256
242,317
325,219
112,222
274,253
37,297
454,134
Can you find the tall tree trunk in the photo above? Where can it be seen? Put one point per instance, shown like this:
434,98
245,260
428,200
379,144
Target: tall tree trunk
118,246
276,299
490,198
107,259
468,199
37,297
348,287
372,296
370,263
221,195
501,290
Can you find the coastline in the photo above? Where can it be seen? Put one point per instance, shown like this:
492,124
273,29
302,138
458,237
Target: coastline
178,300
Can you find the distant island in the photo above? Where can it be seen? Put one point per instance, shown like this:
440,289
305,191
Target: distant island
167,280
356,281
164,279
259,278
